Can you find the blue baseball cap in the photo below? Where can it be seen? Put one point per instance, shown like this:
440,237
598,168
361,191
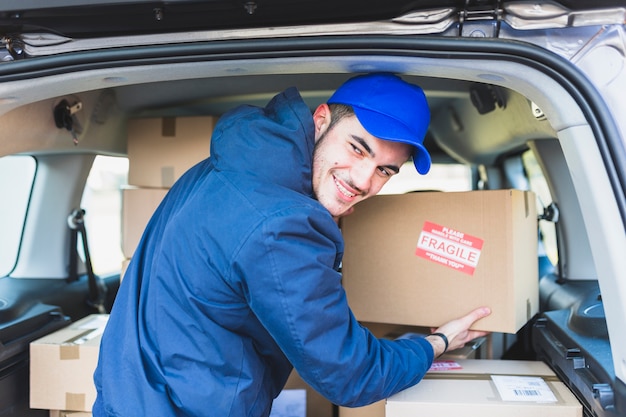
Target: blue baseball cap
389,108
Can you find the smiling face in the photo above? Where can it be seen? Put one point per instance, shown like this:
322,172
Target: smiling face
349,164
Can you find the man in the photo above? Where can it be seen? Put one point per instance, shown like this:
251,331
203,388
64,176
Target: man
235,279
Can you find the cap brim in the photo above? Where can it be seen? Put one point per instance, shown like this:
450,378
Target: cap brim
383,127
421,159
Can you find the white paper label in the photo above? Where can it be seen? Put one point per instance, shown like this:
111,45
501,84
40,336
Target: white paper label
523,388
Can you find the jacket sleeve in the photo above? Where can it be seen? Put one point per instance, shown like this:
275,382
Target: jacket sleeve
293,288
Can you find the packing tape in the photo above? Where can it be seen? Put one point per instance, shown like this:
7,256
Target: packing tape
167,176
482,377
168,126
527,203
74,401
69,352
83,335
70,349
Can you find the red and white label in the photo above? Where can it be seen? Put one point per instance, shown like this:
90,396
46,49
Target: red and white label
449,247
444,366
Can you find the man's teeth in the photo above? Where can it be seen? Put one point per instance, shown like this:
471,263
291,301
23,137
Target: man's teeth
343,190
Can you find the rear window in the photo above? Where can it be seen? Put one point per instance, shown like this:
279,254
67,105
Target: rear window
441,177
18,174
103,210
538,184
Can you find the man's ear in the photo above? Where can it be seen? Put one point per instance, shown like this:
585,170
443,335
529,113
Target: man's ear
321,120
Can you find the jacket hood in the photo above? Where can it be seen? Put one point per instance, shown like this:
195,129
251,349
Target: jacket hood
273,144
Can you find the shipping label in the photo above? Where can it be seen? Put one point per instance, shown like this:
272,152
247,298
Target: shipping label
523,388
449,247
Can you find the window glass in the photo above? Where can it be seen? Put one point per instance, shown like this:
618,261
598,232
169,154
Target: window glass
20,169
103,209
441,177
539,186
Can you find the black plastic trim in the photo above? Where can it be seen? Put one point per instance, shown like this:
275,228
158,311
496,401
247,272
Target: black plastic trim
84,18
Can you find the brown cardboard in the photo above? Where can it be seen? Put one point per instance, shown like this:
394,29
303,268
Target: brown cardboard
62,366
387,281
65,413
160,150
138,206
376,409
471,392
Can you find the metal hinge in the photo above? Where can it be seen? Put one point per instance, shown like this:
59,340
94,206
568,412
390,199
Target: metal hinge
480,19
13,48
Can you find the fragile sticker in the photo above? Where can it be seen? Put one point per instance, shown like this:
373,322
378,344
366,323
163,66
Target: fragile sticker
449,247
438,366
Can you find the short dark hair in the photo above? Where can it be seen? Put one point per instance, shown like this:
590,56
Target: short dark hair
338,112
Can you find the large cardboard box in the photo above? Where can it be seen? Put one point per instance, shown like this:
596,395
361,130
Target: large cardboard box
486,388
138,206
427,258
62,366
160,150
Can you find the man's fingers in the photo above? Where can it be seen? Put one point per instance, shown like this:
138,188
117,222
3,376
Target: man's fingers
475,334
457,331
474,316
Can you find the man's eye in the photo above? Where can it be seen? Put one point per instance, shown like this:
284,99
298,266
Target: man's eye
385,172
356,149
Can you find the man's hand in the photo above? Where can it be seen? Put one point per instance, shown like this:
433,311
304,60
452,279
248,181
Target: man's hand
457,331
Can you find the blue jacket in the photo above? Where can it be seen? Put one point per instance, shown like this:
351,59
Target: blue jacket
236,280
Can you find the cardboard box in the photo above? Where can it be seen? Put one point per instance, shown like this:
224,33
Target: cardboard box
65,413
427,258
160,150
62,366
487,388
138,206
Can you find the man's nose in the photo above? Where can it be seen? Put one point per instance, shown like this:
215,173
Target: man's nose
361,174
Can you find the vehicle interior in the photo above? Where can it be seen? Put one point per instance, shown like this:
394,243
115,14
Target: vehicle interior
504,122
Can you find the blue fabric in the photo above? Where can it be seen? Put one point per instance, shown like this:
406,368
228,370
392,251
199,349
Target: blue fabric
234,280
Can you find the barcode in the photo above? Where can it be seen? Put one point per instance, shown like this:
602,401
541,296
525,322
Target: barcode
526,392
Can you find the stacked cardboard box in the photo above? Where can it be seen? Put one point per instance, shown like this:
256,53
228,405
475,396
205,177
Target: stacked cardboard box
479,388
160,151
427,258
485,388
62,366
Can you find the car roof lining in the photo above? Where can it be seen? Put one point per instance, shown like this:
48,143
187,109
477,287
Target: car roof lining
213,87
